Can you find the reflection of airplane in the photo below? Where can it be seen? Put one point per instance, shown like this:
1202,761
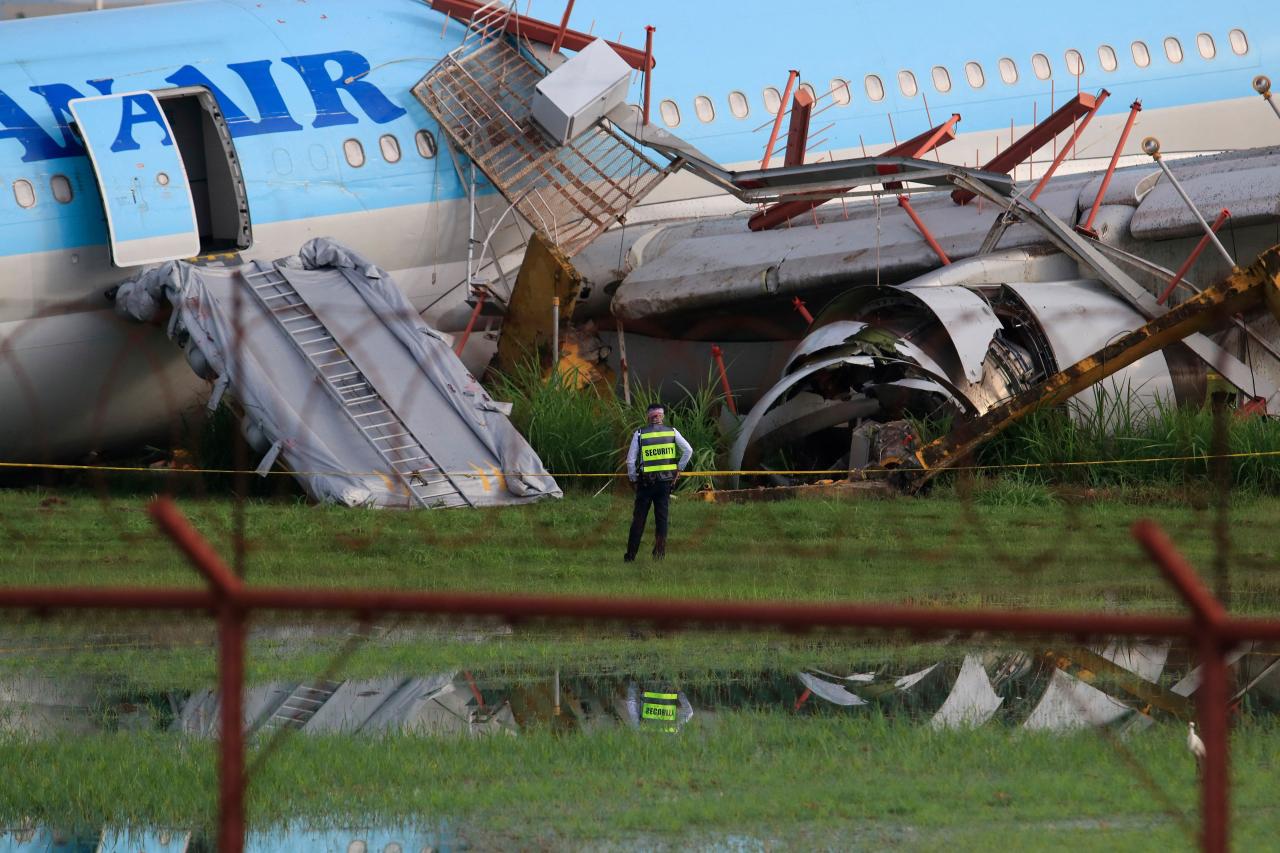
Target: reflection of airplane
288,121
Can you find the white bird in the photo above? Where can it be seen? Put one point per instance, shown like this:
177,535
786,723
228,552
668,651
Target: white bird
1195,745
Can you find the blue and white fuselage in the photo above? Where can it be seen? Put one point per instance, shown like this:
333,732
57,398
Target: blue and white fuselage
330,141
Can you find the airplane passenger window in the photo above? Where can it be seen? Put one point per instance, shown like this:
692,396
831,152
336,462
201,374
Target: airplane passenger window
840,92
1008,71
1040,65
703,109
61,187
24,193
670,113
1173,49
1107,56
1075,62
1141,56
907,83
426,144
354,152
772,100
941,79
1204,43
1239,44
738,105
875,89
975,75
390,147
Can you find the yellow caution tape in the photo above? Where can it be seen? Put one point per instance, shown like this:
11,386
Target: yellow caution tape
480,474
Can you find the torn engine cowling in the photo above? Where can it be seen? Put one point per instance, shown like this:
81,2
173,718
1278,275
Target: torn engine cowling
954,342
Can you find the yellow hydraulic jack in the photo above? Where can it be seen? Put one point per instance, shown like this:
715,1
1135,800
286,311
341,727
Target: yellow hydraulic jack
1211,308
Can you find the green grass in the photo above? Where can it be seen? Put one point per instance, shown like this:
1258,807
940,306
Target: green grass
580,432
1117,429
1016,546
1035,549
827,781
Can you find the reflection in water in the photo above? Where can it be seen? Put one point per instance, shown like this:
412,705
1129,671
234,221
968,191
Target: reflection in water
1048,689
284,839
1118,685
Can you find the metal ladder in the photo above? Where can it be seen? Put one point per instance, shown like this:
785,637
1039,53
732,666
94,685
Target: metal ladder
481,94
302,703
408,462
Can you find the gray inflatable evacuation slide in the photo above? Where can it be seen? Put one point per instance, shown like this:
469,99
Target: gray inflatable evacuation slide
341,380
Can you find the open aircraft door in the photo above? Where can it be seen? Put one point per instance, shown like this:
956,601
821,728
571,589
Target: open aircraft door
151,216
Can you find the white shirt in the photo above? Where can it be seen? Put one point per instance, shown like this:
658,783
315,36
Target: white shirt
686,451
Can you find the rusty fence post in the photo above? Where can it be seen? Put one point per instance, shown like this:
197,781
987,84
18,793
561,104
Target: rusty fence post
1212,698
228,592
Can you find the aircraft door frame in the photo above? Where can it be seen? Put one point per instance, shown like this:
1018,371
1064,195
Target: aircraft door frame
146,194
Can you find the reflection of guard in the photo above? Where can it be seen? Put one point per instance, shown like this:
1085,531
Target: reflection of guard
657,709
652,469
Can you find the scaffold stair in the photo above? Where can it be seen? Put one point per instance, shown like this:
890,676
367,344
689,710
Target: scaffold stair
481,95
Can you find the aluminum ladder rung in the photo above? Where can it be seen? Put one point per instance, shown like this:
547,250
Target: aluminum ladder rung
350,396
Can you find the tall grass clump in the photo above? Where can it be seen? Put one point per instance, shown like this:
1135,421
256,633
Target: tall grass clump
577,430
1120,440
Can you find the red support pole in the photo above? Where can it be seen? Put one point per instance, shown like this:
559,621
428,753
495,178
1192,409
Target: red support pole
648,69
916,147
1212,700
1066,149
228,590
1195,253
1134,109
471,323
798,303
1213,697
718,355
537,31
564,27
905,204
231,778
777,120
798,128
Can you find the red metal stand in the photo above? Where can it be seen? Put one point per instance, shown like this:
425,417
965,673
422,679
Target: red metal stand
471,323
538,31
1033,140
1071,143
798,304
1223,216
718,355
798,128
777,120
905,204
564,26
647,69
1087,227
917,146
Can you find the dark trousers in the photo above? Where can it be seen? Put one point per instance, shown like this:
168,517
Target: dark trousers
658,494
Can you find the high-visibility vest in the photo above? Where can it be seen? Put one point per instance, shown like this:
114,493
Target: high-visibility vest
657,451
659,711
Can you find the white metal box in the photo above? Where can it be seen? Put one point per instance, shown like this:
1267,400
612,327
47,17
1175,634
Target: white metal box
578,94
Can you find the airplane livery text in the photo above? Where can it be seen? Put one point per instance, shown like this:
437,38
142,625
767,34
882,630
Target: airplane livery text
274,116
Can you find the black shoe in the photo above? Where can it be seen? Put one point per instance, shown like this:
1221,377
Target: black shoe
628,558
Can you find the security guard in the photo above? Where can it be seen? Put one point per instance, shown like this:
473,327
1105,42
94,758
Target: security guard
652,469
